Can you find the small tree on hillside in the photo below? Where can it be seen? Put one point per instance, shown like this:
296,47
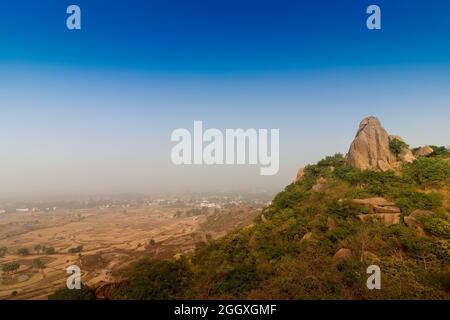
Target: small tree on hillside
38,264
38,248
10,267
23,251
397,146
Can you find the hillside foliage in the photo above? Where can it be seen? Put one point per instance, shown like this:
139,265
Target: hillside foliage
269,260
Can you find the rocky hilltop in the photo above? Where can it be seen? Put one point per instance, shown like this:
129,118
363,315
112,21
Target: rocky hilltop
372,148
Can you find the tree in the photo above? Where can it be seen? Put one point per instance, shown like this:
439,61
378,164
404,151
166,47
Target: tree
38,248
76,249
49,250
23,251
38,264
397,146
10,267
3,251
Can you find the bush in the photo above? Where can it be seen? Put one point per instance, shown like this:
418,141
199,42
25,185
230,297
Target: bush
351,273
430,171
342,209
3,251
436,226
440,152
23,251
410,200
10,267
397,146
76,249
157,280
417,247
75,294
49,250
37,263
291,196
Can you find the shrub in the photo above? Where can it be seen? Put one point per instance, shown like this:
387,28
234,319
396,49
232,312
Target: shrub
76,249
397,146
410,200
37,263
157,280
351,273
83,293
10,267
38,248
291,196
436,226
3,251
424,170
342,209
49,250
23,251
440,152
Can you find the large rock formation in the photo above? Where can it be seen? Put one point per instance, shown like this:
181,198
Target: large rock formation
423,151
370,148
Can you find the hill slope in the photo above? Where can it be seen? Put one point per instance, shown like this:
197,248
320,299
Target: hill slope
319,235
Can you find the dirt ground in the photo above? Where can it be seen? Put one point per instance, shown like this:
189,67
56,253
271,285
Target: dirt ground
111,239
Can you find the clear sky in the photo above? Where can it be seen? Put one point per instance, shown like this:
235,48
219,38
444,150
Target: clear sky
91,111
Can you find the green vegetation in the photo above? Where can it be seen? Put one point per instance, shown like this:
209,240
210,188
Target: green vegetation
397,146
66,294
76,249
409,200
3,251
157,280
10,267
288,253
38,264
38,248
49,250
443,152
429,171
23,251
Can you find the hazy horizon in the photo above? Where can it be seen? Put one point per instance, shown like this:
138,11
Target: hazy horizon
91,112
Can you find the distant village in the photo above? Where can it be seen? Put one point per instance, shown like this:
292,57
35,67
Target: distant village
180,201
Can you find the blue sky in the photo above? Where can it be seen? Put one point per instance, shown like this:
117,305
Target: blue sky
92,110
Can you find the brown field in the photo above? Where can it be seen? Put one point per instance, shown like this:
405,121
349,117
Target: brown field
111,238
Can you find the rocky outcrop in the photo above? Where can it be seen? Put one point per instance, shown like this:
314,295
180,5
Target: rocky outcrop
320,186
307,237
331,224
300,174
423,151
370,148
376,205
369,257
378,208
406,156
342,254
411,219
